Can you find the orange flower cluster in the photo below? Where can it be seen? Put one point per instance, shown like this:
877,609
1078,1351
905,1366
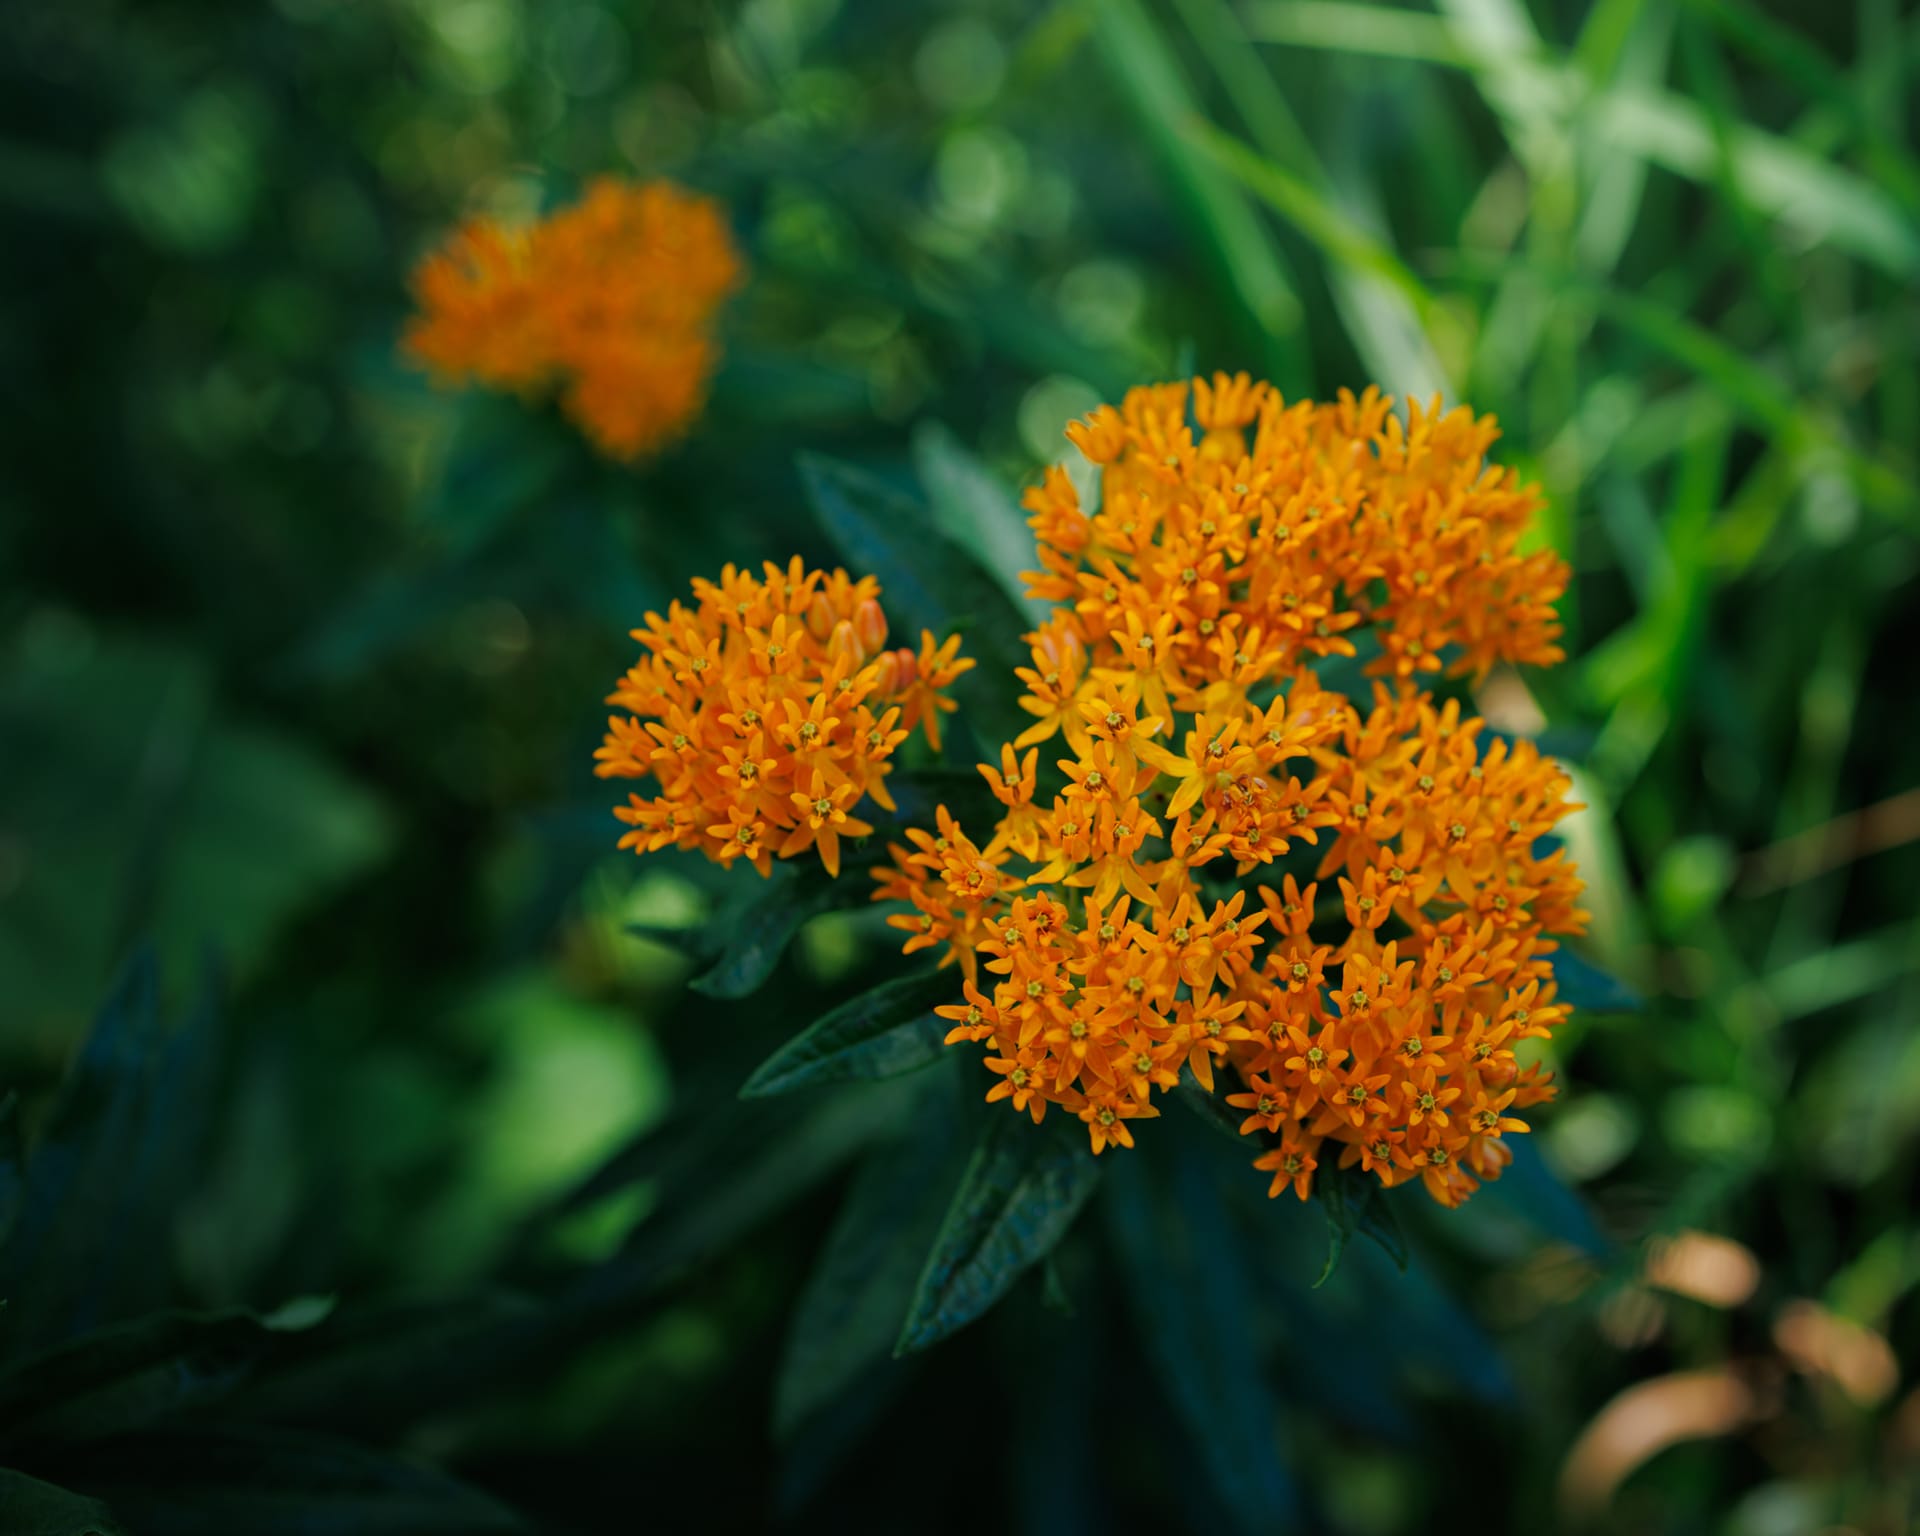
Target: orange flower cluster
1345,910
613,300
768,711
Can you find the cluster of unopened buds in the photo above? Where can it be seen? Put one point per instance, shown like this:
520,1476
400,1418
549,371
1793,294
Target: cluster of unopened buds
767,711
1342,909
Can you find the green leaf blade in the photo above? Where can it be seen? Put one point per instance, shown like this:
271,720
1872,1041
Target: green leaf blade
1355,1202
1020,1193
29,1507
764,922
975,510
1193,1300
863,1282
882,1033
229,1480
1535,1193
120,1153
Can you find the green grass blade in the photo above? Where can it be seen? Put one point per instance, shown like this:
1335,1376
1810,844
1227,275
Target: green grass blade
1241,250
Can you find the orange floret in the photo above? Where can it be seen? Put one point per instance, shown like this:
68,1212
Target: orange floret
611,301
1220,865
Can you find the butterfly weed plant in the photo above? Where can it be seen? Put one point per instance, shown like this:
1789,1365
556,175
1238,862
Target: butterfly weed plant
1249,847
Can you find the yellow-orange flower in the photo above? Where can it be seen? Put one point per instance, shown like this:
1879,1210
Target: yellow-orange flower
767,711
1229,868
611,301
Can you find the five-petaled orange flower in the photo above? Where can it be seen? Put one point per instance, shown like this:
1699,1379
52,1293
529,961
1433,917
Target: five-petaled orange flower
611,301
1367,1005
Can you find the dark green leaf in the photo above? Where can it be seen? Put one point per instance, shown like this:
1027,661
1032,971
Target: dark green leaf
29,1507
1583,984
1214,1111
1355,1202
13,1167
1021,1192
500,459
1533,1191
764,386
1418,1328
1193,1305
1347,675
227,1480
118,1157
861,1285
927,581
881,1033
763,1156
963,791
977,512
1360,1342
762,924
1054,1295
126,1377
374,1366
141,807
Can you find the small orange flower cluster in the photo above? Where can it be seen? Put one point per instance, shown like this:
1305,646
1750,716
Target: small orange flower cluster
1346,908
768,711
612,299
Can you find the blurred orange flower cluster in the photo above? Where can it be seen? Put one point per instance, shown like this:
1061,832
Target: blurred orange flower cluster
1235,869
611,300
767,712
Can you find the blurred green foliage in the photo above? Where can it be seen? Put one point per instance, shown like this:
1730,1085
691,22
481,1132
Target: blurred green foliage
299,671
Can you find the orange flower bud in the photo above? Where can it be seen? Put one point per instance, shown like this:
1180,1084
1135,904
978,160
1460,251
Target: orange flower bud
820,617
870,624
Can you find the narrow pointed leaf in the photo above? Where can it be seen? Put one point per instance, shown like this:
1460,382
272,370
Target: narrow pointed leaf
759,929
770,1155
1214,1112
1193,1302
1355,1202
29,1507
975,510
13,1166
1019,1195
369,1367
229,1480
882,1033
121,1379
1245,257
108,1175
85,1172
863,1282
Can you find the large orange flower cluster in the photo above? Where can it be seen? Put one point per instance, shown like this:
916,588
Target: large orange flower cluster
611,300
1344,910
767,712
